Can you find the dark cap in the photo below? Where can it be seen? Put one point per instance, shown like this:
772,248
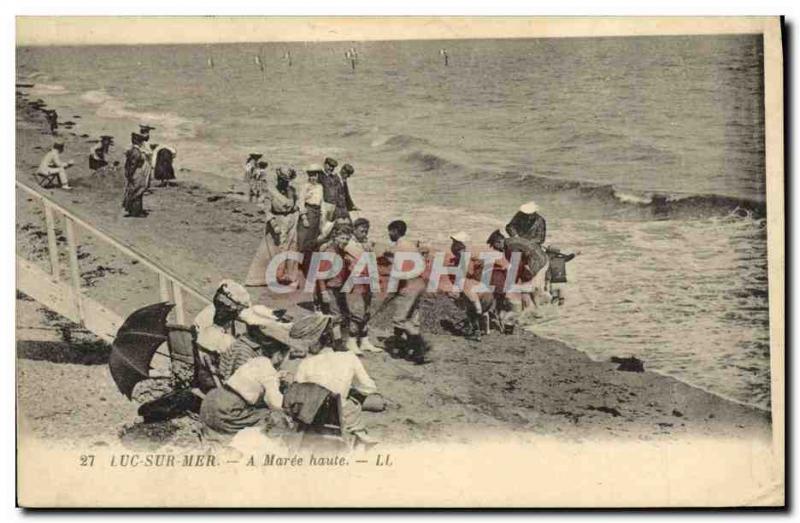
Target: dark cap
496,235
254,156
331,162
347,169
136,137
286,172
145,129
106,138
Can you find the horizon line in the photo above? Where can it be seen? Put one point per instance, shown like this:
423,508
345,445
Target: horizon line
48,31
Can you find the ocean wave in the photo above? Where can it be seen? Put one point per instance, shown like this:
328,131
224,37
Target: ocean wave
651,204
593,137
428,161
48,89
399,141
170,124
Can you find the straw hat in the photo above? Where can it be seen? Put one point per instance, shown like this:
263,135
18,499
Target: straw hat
232,294
259,316
460,237
310,327
528,208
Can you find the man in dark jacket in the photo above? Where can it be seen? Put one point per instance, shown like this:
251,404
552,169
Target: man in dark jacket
528,224
335,190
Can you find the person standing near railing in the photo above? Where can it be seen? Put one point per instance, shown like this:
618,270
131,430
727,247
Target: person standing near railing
138,168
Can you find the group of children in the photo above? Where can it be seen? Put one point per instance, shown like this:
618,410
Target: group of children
251,387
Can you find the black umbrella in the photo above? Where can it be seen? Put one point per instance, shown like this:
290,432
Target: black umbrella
136,343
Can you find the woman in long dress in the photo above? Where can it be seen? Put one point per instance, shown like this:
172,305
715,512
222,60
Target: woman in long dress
310,226
163,170
138,168
280,234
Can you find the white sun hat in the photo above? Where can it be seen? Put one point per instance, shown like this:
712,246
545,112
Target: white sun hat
460,237
529,208
258,315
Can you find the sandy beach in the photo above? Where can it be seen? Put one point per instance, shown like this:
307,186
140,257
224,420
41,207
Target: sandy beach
202,230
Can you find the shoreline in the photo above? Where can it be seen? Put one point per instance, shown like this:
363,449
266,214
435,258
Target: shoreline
560,390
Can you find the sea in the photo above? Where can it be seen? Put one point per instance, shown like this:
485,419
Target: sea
645,155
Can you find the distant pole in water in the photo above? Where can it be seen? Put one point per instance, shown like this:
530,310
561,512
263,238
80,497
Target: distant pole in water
352,56
288,57
443,52
210,62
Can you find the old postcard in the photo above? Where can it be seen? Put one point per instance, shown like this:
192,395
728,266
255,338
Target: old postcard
399,262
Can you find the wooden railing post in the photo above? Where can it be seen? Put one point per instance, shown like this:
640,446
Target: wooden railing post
178,293
163,285
52,246
74,269
75,306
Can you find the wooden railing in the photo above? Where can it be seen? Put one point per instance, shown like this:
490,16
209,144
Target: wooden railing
76,304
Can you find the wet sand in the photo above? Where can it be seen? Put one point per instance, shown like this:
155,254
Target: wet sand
203,230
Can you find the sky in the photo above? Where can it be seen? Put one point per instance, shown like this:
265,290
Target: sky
95,30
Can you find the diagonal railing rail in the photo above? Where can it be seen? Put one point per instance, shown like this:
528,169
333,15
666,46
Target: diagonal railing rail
67,298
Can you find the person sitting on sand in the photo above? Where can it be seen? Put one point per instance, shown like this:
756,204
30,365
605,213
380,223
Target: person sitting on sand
163,170
282,213
246,398
247,346
98,154
229,295
138,167
52,164
337,371
216,324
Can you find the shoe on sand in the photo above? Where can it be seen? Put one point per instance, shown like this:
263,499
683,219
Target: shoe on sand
352,346
367,346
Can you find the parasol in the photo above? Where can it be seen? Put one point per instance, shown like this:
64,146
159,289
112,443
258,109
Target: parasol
136,343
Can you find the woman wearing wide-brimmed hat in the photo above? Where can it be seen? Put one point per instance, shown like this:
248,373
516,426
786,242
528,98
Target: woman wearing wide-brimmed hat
280,234
246,398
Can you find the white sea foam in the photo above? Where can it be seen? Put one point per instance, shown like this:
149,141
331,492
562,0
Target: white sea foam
632,198
48,90
169,124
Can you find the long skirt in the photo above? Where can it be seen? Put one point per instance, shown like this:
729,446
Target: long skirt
225,412
164,170
307,236
135,188
280,236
